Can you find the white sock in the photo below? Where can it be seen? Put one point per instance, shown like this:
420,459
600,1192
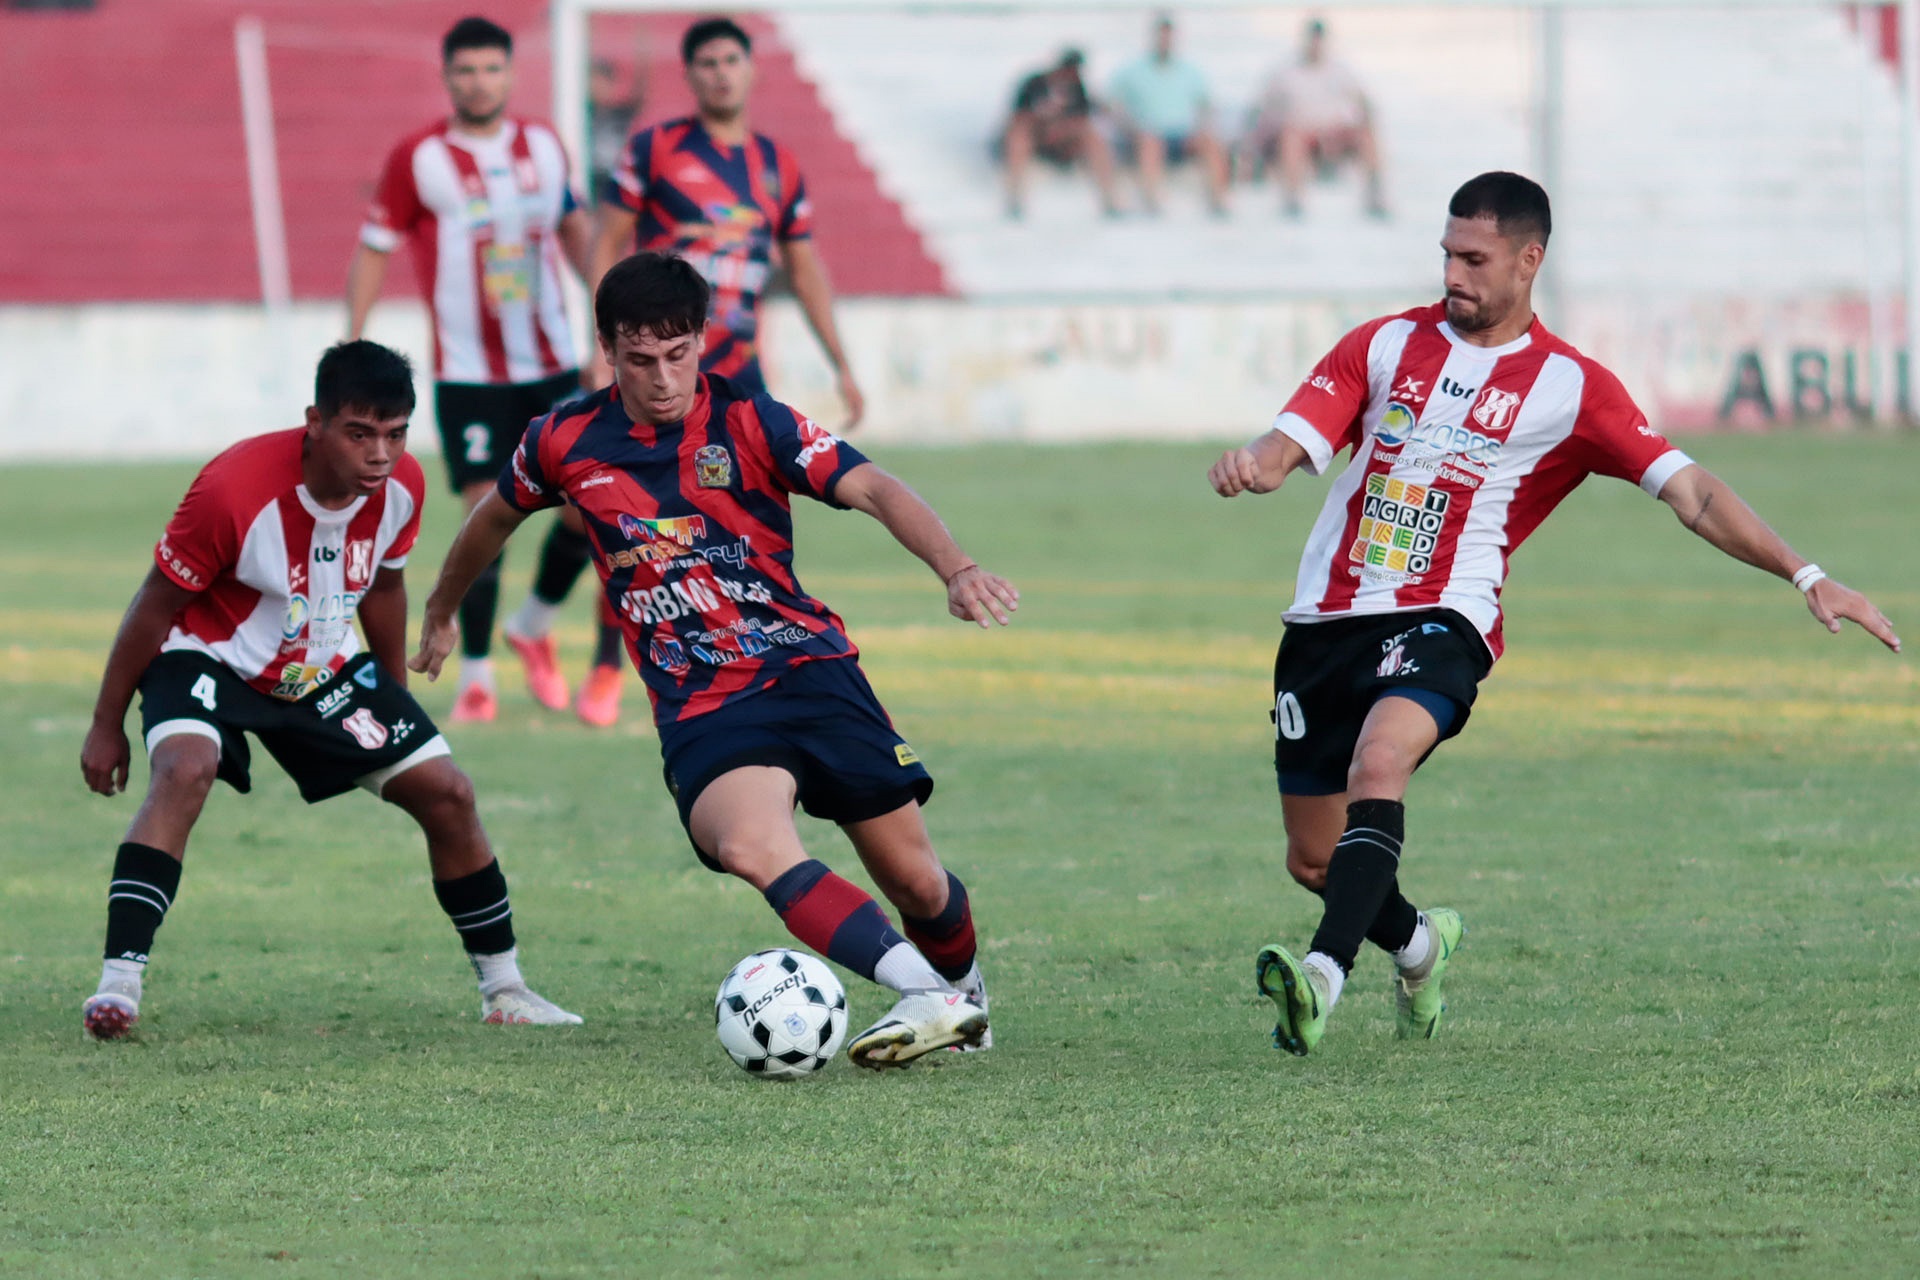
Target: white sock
904,969
974,983
1418,948
497,971
475,671
533,619
1329,968
122,976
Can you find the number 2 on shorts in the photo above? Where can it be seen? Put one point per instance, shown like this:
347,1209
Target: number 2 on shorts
479,442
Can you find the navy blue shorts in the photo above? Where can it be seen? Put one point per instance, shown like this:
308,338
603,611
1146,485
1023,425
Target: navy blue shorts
822,724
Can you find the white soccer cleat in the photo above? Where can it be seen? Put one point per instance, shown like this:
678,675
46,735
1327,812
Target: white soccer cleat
516,1005
108,1015
974,986
919,1023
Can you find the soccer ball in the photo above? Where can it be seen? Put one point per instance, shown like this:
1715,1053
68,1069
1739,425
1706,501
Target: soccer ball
781,1015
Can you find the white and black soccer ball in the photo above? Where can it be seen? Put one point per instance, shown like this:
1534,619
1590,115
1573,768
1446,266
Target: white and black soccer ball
781,1014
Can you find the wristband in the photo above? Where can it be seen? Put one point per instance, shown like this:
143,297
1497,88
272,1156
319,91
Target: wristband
948,580
1807,576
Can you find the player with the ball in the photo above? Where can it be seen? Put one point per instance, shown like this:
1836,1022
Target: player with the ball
684,483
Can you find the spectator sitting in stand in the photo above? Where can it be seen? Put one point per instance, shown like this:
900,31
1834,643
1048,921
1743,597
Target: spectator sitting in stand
1167,117
1054,119
1314,116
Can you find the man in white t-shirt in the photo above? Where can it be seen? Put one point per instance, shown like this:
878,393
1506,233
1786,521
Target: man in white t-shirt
1314,116
1468,423
1167,117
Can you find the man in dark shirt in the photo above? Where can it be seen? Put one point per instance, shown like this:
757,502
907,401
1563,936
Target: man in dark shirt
1054,119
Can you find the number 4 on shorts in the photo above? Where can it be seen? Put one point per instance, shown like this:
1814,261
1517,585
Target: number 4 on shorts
203,689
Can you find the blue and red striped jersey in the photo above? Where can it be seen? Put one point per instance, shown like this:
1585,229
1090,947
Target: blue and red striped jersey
691,527
722,209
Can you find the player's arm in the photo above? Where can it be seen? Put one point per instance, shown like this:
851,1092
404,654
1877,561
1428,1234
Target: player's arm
577,242
105,755
479,542
810,286
383,620
1261,467
1708,506
612,241
973,594
365,274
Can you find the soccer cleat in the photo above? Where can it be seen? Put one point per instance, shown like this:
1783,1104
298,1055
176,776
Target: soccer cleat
1301,996
110,1013
599,703
974,987
475,705
919,1023
516,1005
541,659
1417,1002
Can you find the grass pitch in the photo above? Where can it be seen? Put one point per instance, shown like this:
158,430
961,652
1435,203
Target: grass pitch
1680,828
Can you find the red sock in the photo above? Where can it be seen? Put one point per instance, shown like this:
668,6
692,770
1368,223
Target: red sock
947,939
833,916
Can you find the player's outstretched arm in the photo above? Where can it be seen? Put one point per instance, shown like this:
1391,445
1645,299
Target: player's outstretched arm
1708,506
1261,467
383,620
810,286
973,594
487,528
105,755
614,230
365,274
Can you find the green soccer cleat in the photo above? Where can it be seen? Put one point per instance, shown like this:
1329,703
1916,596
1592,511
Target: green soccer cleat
1300,996
1417,1001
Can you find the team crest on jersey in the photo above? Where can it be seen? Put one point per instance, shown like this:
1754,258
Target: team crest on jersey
1495,410
713,467
367,731
1396,424
359,563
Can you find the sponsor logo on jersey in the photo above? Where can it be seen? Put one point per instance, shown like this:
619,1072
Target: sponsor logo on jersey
597,479
1455,390
325,555
367,676
712,467
299,609
1469,447
359,562
819,441
1400,525
520,471
367,731
1411,390
332,702
1396,425
1321,382
1495,410
1648,432
904,754
179,567
682,531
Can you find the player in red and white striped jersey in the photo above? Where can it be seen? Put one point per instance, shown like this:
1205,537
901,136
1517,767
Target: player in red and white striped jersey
1468,423
487,203
244,625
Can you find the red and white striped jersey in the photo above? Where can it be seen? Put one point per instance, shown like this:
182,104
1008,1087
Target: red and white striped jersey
483,215
1459,453
279,576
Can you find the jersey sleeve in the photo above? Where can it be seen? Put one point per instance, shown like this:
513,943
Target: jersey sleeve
1620,442
1323,416
396,207
807,458
796,214
202,541
627,184
413,482
524,481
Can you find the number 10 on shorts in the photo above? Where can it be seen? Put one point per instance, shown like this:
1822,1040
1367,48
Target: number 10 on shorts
1289,721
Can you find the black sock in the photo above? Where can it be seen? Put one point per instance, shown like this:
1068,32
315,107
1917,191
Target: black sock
562,556
607,645
477,904
144,882
1393,928
1360,877
477,610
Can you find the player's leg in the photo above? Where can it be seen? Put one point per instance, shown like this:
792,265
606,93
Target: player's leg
146,874
468,882
1017,145
1093,145
475,698
1205,147
1150,155
563,556
599,702
480,425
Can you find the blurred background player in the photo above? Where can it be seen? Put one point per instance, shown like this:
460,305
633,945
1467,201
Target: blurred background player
1469,424
1312,117
1168,118
708,188
685,480
614,102
1056,121
245,625
486,201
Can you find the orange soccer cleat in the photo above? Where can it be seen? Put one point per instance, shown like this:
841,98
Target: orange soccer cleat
475,705
599,703
541,659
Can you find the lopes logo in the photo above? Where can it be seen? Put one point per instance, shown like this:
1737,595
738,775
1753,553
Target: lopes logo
1398,426
1399,525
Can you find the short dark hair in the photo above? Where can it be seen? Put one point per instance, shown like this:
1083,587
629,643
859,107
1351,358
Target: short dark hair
475,33
366,376
710,29
657,292
1517,205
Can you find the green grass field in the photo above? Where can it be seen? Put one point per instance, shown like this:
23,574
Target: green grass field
1681,829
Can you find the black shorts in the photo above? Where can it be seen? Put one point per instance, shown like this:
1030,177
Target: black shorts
1328,675
481,423
822,724
359,729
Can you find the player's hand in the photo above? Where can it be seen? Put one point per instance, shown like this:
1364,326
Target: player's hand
1831,600
856,403
104,758
437,637
1238,471
974,595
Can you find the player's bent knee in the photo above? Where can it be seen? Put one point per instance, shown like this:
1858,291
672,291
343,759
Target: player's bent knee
1308,867
754,859
1380,770
186,771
